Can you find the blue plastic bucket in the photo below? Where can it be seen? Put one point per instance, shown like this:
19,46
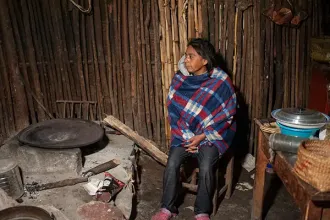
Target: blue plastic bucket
297,132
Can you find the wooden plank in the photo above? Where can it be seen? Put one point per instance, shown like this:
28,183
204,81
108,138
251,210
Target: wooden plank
145,144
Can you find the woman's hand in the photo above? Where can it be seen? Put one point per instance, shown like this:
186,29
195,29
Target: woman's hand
193,143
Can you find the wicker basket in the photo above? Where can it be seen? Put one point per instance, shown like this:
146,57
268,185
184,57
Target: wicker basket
313,163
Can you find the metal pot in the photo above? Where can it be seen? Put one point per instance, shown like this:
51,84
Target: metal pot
10,178
26,213
300,118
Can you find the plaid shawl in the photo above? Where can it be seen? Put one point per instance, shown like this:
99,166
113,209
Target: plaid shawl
203,103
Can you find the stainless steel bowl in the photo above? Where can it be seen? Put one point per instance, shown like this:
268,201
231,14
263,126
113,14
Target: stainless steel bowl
300,118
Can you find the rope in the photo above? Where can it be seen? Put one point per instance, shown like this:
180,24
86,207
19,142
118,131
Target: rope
87,11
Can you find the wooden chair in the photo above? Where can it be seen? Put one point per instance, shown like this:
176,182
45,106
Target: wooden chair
191,183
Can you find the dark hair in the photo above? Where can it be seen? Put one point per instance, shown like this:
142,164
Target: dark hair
206,50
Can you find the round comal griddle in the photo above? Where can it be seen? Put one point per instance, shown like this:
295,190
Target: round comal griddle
25,213
61,133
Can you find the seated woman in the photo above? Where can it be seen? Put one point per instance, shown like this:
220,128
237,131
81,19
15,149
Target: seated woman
201,107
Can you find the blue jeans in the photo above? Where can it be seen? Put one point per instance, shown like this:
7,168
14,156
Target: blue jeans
208,157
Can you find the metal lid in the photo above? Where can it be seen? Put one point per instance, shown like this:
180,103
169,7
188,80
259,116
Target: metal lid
299,116
6,165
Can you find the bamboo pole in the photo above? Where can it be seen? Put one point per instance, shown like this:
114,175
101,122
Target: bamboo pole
19,107
56,78
160,124
101,73
7,101
201,18
217,25
145,90
127,72
271,69
106,8
79,59
133,64
182,25
40,85
239,43
191,20
112,48
150,76
50,80
141,101
204,18
21,56
230,34
175,31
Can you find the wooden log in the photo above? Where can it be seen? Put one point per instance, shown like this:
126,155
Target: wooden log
151,148
19,104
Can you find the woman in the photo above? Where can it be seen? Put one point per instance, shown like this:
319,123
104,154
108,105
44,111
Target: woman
201,105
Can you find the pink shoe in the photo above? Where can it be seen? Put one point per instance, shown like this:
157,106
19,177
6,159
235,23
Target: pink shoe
202,217
163,214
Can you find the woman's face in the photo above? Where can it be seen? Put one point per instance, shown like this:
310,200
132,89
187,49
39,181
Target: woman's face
194,63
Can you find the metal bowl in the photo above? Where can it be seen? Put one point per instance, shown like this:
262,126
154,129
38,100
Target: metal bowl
25,213
61,133
300,118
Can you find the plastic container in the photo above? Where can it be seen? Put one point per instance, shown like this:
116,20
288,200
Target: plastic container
297,132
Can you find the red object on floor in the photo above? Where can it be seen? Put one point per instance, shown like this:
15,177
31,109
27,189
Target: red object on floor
318,92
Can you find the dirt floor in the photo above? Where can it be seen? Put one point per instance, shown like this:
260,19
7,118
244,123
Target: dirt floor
238,207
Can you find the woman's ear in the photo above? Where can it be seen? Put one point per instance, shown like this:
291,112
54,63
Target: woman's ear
205,62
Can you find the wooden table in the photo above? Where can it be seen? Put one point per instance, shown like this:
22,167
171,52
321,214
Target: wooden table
312,203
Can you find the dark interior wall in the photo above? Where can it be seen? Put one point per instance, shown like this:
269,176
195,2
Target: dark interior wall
326,17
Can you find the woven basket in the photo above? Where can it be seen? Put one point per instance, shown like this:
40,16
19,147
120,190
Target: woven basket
313,163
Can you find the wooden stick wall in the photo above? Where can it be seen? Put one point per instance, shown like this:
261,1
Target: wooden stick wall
269,64
123,55
51,51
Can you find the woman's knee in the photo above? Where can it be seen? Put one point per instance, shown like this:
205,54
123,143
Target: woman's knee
205,168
